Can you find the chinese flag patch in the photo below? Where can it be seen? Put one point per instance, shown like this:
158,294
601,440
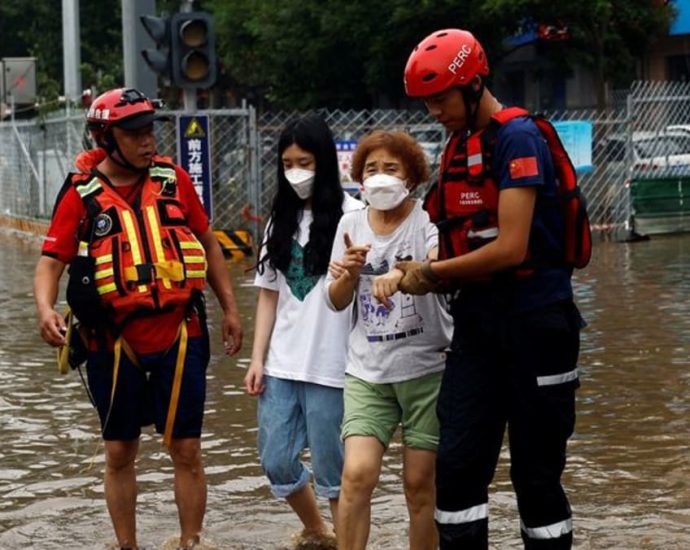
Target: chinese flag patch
173,211
523,168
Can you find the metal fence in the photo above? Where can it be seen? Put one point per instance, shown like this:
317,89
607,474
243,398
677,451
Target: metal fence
649,138
605,185
35,155
34,158
235,163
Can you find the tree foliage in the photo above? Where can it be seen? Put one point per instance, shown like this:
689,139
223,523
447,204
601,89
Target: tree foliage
305,53
608,36
329,53
34,29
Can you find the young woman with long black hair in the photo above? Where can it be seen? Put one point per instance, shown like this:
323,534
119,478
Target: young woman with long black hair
297,368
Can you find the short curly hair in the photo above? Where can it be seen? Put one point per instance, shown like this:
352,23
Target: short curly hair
400,145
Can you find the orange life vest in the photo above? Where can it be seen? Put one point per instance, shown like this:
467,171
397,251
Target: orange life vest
145,258
464,202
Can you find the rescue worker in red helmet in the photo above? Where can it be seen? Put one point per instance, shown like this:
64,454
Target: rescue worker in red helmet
140,248
514,353
127,109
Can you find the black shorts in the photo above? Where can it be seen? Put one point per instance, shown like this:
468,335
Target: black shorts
142,395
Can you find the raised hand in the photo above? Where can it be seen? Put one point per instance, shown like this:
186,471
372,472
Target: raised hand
354,258
336,269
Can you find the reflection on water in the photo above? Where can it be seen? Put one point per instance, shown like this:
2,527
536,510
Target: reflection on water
629,459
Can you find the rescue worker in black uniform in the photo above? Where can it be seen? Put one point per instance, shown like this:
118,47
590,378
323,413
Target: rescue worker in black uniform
513,358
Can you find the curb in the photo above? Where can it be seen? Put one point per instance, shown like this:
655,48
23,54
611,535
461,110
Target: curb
25,225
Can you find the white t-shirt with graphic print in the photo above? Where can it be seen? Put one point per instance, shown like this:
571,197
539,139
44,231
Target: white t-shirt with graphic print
409,340
309,340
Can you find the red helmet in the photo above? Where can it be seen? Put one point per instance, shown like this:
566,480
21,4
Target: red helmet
447,58
123,107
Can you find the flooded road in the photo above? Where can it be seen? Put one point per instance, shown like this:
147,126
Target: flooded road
628,474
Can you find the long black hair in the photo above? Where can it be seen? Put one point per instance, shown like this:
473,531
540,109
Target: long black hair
311,133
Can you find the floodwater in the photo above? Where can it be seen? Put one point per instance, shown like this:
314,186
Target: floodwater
628,474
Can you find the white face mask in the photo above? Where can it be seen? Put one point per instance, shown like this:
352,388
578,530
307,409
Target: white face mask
302,181
384,192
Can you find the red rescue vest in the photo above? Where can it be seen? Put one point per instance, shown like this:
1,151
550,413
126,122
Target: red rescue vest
145,257
464,202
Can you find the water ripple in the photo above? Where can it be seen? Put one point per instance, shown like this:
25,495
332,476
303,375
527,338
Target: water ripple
627,473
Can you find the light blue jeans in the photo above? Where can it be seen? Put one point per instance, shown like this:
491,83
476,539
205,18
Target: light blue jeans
292,416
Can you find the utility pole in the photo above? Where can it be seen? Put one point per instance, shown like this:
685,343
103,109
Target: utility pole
187,6
71,51
134,40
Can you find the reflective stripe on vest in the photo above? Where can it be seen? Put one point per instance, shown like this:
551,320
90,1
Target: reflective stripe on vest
104,271
162,172
133,242
199,262
88,188
475,160
157,244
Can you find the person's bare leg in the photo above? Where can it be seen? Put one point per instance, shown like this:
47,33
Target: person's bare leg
303,502
420,493
121,489
363,456
333,504
190,488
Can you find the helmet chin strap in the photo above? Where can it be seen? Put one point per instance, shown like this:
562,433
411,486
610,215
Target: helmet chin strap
111,147
472,98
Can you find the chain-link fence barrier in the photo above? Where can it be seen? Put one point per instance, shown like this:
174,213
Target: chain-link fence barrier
347,127
234,164
36,155
657,154
604,185
34,159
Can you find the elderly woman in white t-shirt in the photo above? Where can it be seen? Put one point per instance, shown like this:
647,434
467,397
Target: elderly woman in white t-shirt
397,345
298,358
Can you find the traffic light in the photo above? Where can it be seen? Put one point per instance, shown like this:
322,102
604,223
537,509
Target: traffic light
192,48
158,59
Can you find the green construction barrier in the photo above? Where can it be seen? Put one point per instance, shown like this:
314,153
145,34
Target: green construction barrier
660,197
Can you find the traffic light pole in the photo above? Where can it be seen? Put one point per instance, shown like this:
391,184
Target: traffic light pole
190,100
187,6
184,52
71,52
135,39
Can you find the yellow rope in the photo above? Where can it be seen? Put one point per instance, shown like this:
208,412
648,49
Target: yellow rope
177,384
63,351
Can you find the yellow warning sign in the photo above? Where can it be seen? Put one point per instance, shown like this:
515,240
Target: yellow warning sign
194,129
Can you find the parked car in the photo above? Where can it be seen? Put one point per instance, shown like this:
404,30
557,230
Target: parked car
679,129
666,151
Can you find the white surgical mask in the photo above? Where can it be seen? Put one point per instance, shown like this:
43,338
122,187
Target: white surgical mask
302,181
384,192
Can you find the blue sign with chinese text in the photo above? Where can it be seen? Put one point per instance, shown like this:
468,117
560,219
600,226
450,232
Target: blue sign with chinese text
194,155
345,150
576,136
